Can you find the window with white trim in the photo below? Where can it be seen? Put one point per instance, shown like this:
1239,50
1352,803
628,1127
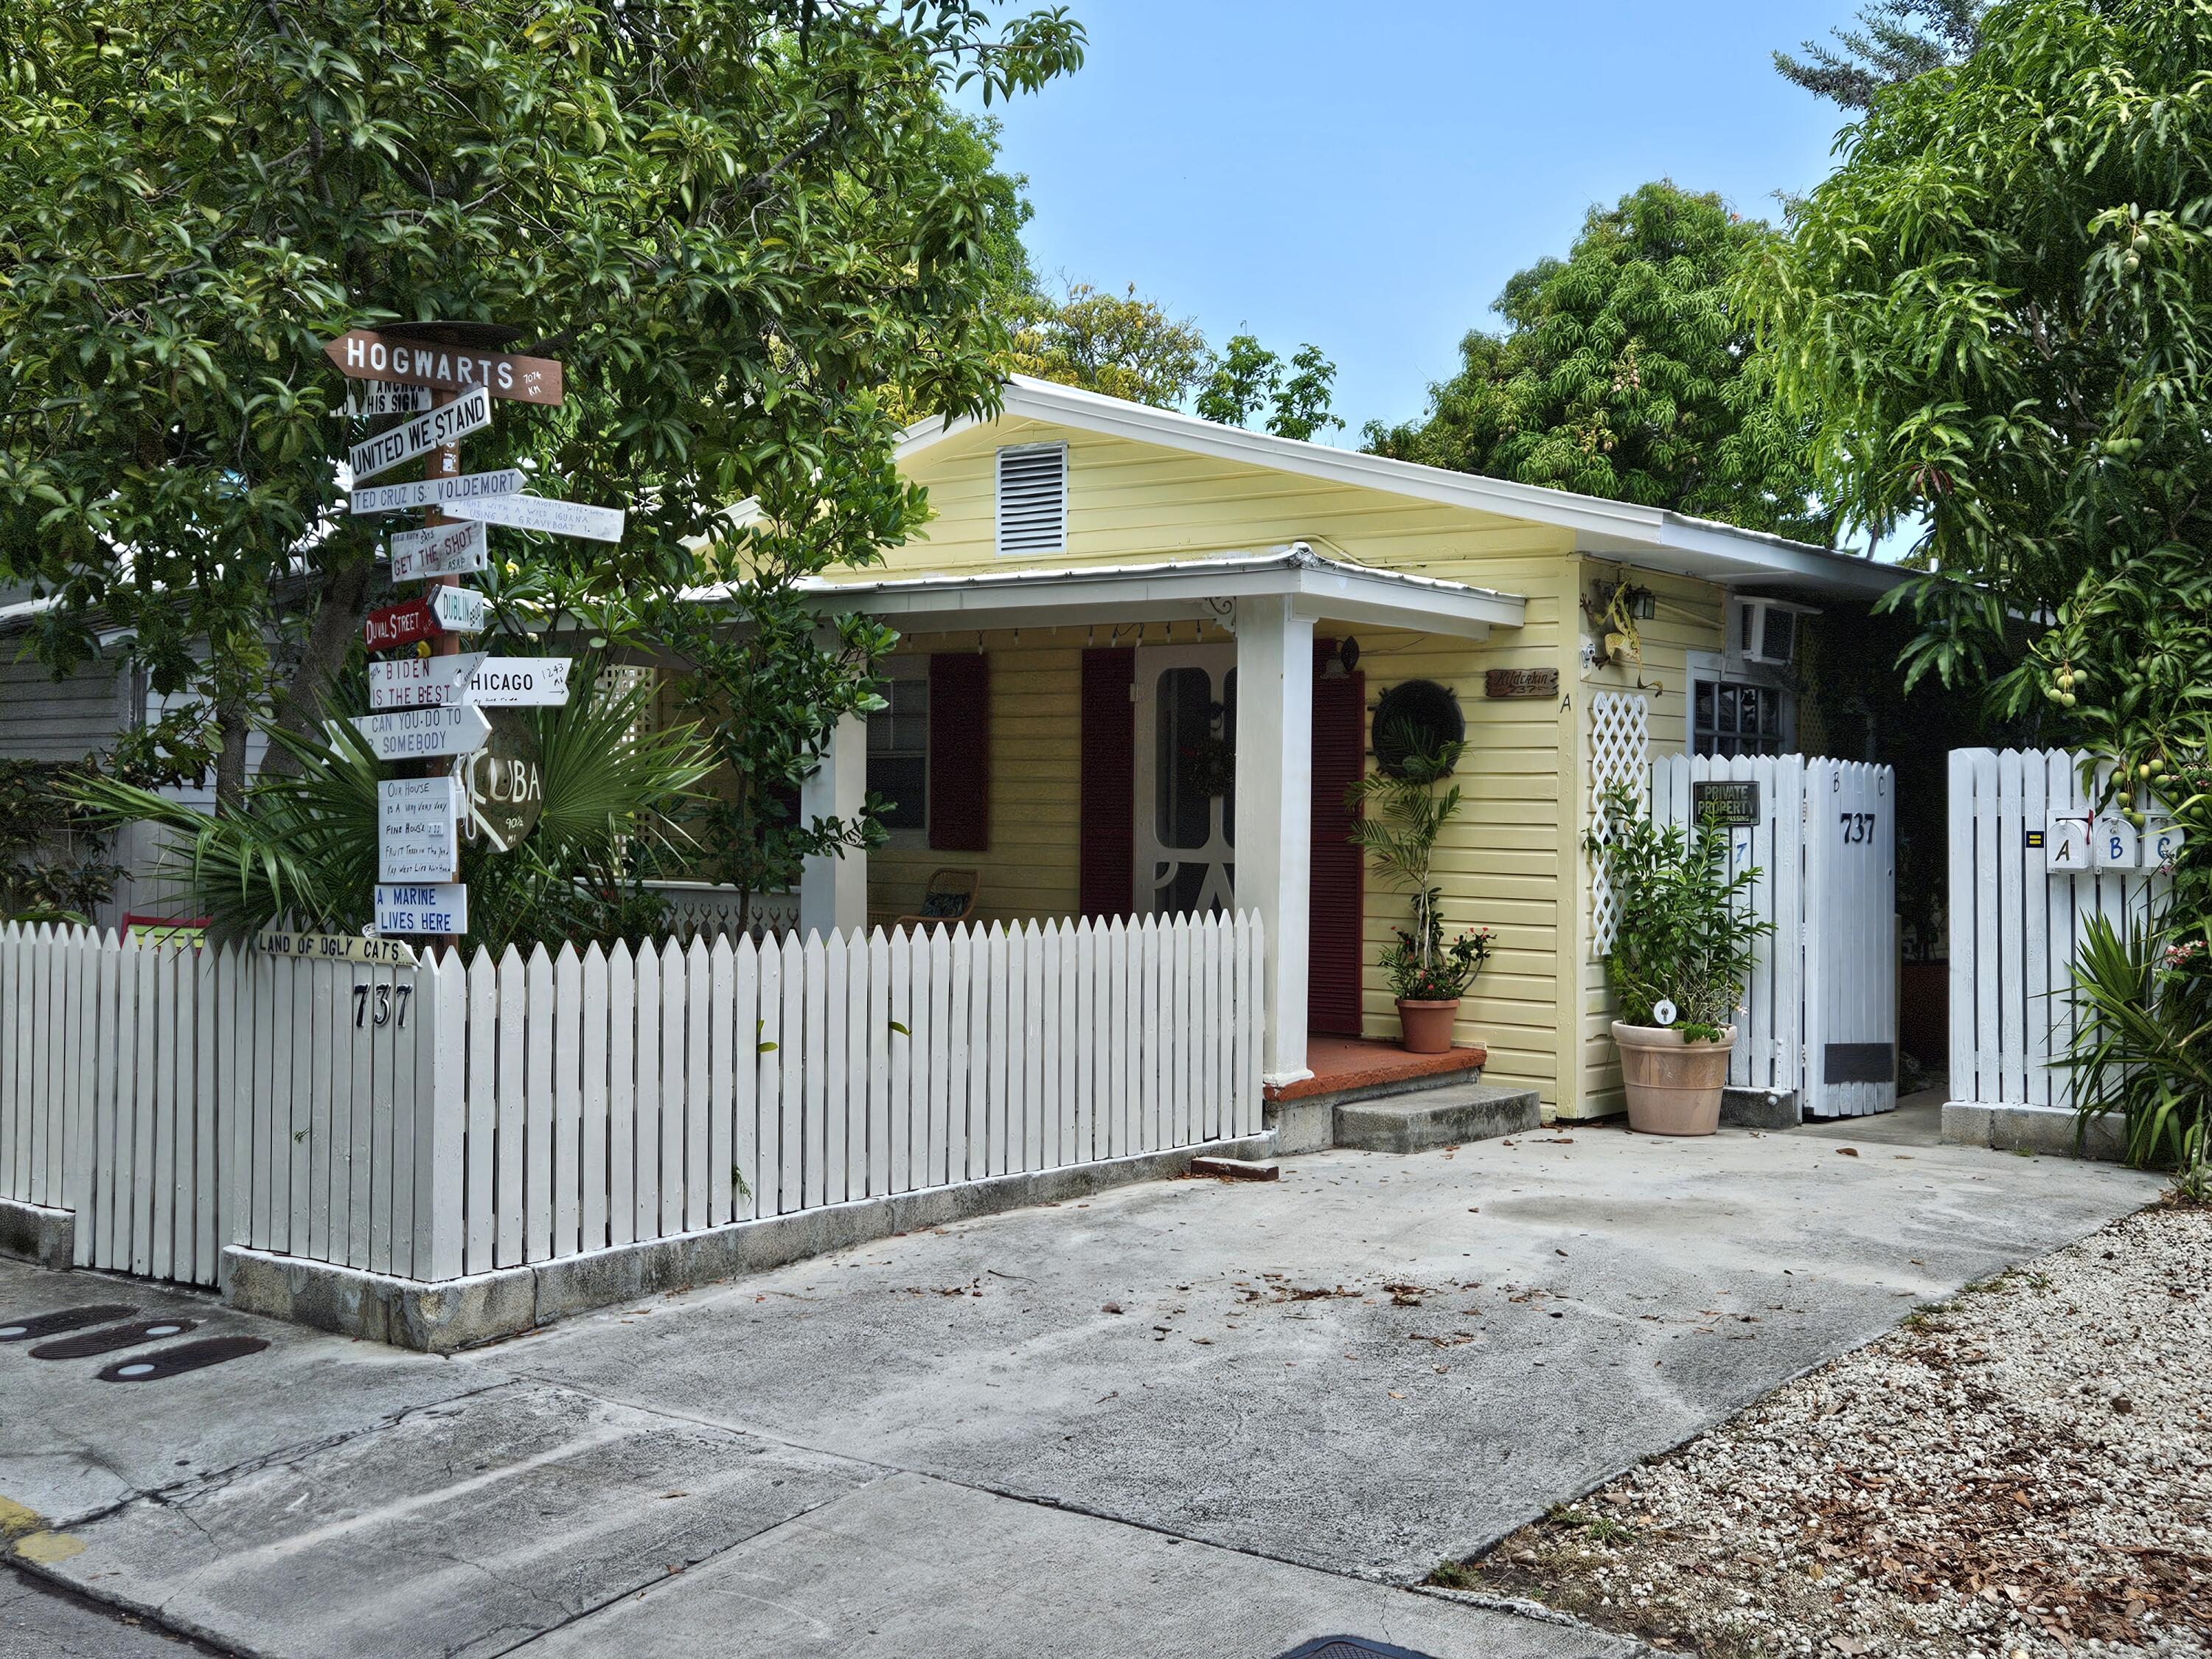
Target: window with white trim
1735,717
1032,499
898,748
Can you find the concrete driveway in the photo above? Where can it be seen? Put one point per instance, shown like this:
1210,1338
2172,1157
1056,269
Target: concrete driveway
1189,1417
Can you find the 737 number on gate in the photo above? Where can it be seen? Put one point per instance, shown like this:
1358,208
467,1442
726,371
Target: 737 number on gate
1858,827
381,1005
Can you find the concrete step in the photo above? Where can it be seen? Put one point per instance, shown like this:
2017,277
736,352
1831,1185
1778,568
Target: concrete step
1436,1117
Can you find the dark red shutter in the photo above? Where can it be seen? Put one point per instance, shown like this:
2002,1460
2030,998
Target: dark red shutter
1334,948
1108,826
960,752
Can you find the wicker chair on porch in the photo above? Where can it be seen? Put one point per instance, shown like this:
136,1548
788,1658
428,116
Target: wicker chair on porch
948,901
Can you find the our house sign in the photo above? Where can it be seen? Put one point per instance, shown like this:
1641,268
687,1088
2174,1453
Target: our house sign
505,783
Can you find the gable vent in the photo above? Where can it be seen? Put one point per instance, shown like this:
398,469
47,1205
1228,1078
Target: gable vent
1033,499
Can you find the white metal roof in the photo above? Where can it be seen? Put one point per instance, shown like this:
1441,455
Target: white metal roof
1171,589
1648,536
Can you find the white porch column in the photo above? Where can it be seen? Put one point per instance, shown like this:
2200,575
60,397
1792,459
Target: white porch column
832,892
1274,808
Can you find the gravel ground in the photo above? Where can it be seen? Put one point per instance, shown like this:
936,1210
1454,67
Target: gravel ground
2024,1471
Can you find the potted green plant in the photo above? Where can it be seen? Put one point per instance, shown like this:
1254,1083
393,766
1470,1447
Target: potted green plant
1427,976
1682,951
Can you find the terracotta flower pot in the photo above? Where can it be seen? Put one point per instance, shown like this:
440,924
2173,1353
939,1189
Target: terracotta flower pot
1427,1025
1673,1087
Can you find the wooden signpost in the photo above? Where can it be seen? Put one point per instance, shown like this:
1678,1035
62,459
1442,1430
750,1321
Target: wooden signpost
443,376
365,354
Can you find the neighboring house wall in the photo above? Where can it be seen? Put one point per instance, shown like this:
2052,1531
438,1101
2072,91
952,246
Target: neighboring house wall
44,719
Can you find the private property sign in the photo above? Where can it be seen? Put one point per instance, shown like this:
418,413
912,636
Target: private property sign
436,492
362,354
443,549
598,523
433,429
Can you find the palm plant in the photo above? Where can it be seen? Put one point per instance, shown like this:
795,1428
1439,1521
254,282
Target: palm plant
2142,1003
303,845
1400,834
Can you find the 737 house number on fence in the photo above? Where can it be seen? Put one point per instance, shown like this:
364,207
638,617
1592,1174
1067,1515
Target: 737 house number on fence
381,1005
1858,827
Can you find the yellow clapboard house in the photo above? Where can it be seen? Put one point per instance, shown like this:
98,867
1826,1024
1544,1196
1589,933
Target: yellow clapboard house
1140,659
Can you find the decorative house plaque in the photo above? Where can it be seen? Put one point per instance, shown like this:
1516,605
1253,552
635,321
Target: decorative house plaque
1521,683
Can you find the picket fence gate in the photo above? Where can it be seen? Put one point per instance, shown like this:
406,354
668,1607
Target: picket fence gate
2016,922
1819,1011
433,1121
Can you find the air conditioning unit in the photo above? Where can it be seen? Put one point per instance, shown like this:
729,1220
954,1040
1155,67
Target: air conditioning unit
1766,630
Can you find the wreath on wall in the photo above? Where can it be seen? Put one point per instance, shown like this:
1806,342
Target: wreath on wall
1208,765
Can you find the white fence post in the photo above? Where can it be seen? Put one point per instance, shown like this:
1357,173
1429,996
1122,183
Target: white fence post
2016,922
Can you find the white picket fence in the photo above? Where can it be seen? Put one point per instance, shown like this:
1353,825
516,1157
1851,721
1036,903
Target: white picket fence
435,1120
1820,1013
2015,923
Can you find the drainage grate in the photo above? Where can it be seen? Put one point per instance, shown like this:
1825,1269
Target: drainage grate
85,1345
68,1319
185,1356
1351,1647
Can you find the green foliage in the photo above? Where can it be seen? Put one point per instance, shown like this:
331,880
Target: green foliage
303,844
754,230
1402,815
1627,372
1999,310
1896,40
1685,933
2143,1015
1247,379
53,863
1115,344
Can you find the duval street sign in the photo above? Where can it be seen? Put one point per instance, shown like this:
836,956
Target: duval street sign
362,354
433,429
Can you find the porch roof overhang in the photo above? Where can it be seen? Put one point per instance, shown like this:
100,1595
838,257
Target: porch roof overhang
1175,590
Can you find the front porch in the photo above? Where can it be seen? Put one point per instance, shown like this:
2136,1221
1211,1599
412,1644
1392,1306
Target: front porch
1133,740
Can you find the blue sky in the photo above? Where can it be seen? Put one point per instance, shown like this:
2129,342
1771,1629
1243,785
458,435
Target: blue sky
1366,177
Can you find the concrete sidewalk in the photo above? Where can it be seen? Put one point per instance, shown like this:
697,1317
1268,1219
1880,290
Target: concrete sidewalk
1185,1418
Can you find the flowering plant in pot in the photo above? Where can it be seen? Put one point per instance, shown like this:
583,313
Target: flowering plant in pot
1682,951
1426,975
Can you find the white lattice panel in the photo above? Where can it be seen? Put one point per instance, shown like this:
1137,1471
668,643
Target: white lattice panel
1620,753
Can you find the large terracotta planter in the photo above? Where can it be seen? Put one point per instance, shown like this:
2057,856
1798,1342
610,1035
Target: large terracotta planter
1427,1025
1673,1087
